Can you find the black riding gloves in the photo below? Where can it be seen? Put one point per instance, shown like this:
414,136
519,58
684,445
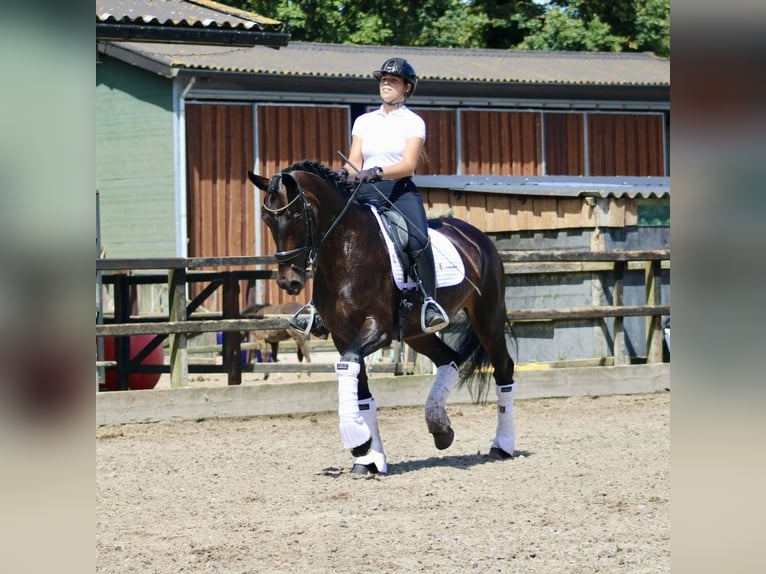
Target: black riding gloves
370,175
342,174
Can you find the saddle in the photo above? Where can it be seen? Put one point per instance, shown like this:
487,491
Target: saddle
449,265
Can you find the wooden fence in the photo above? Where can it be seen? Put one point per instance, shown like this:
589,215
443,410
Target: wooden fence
184,320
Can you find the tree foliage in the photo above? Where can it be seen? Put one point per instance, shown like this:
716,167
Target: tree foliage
584,25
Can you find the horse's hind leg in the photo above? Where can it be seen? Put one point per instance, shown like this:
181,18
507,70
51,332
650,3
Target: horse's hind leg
491,333
445,358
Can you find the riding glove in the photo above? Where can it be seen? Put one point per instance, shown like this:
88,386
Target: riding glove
342,174
370,175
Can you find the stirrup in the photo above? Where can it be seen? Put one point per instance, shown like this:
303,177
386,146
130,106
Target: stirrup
440,323
296,322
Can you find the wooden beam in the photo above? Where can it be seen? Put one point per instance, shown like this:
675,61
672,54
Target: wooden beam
565,255
179,357
620,356
573,313
231,339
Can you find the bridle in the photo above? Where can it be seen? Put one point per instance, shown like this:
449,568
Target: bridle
312,228
284,257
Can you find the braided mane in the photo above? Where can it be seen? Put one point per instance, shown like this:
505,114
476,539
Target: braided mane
319,169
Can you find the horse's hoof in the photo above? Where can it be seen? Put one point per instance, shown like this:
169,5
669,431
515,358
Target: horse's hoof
362,449
443,440
364,469
499,453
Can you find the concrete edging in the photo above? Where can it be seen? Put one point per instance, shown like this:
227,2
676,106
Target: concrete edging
120,407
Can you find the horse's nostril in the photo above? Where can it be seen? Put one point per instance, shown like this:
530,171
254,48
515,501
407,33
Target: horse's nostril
292,286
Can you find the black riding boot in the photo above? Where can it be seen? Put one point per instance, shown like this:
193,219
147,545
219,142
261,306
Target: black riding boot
432,316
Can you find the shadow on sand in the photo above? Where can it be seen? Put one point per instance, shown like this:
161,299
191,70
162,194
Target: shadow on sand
464,461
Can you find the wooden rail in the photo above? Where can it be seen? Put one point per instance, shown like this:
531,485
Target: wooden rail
652,261
180,322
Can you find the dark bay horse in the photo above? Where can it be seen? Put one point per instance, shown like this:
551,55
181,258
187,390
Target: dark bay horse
318,226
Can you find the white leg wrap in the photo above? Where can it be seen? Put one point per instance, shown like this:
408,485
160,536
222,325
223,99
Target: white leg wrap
436,414
505,438
353,430
376,456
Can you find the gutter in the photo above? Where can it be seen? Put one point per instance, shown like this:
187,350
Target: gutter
118,31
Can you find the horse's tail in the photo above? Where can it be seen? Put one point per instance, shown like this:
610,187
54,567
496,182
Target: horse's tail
475,367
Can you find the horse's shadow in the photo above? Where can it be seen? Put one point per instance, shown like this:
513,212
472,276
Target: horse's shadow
459,461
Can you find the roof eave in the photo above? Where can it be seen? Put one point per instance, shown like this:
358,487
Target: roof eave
437,90
120,31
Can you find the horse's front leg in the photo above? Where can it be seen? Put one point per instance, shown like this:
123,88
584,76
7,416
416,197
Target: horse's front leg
357,412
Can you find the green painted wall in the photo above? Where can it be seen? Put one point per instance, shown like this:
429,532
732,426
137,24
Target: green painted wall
654,212
134,161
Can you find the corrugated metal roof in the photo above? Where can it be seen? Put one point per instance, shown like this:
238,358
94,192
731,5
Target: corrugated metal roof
484,66
204,13
553,186
185,22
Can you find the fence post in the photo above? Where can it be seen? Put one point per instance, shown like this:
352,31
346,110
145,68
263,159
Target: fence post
232,340
620,357
122,307
653,282
179,358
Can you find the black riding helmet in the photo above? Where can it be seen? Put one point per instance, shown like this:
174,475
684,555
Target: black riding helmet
399,67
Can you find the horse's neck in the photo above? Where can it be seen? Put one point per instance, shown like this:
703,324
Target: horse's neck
341,239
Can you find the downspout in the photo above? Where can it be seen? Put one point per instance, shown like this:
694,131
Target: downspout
259,294
179,160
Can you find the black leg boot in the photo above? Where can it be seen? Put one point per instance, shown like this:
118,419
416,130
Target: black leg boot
433,317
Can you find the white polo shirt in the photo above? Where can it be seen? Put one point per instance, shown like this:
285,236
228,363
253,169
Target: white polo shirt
383,135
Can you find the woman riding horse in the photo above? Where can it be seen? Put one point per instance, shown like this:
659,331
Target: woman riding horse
317,224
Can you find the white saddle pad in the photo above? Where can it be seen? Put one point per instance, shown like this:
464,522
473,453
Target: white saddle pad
449,266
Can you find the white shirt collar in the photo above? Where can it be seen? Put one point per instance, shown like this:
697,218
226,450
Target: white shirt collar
382,112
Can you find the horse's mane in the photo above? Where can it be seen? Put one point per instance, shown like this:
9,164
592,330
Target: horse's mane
319,169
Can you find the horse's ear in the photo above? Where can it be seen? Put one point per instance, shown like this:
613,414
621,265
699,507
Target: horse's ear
260,182
290,183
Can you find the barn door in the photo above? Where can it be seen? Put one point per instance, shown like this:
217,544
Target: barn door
221,147
220,207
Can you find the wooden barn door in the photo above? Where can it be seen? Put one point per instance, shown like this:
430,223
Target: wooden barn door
288,134
441,143
626,144
564,143
501,143
220,203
